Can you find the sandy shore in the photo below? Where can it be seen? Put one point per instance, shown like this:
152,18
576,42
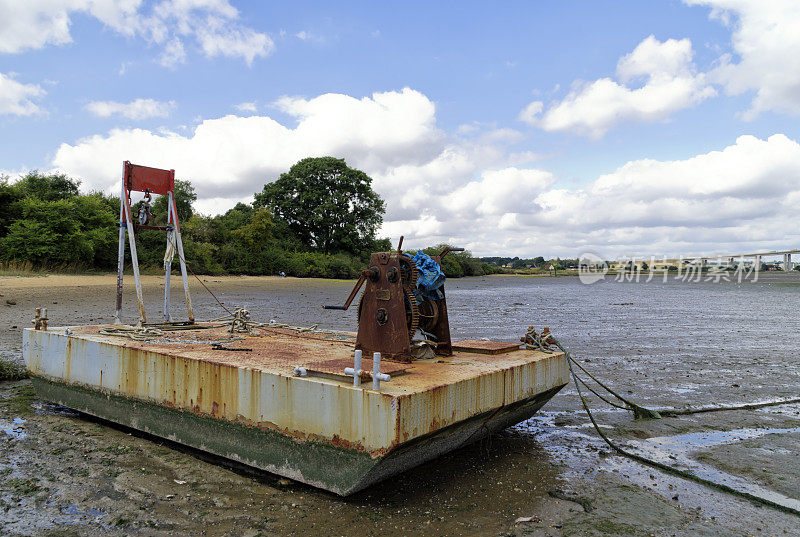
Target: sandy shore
18,283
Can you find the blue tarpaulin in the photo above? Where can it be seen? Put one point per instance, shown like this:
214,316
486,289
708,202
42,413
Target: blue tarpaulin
430,278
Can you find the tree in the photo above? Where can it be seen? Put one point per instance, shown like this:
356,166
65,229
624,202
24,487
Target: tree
329,206
51,187
184,195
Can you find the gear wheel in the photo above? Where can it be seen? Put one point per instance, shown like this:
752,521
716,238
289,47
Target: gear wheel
408,272
429,314
412,312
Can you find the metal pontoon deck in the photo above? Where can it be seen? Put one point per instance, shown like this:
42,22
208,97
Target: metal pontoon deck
251,406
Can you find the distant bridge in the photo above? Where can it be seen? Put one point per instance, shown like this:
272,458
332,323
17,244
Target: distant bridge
787,257
703,259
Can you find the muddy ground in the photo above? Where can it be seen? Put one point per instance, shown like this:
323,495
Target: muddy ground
65,474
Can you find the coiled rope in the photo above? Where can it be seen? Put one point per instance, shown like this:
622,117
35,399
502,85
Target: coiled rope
136,333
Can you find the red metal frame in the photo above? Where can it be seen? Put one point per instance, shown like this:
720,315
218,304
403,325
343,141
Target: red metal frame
137,178
145,179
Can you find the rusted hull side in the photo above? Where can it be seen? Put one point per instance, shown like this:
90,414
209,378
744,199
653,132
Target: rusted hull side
339,470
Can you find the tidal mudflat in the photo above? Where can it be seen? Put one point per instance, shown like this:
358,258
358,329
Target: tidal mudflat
672,344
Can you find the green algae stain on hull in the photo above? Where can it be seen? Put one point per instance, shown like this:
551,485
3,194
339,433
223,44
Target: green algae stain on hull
338,469
317,464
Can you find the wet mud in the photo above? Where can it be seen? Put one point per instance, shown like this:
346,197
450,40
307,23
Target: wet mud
664,345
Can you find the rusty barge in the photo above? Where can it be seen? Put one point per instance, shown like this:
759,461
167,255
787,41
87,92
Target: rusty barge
336,410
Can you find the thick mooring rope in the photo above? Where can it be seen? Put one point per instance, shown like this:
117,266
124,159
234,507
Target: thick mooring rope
533,340
661,466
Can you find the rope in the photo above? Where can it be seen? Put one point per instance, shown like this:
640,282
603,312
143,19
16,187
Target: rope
133,332
661,466
601,397
748,406
240,317
240,322
535,341
185,264
542,342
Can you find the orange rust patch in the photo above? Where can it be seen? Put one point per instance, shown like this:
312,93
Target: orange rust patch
336,366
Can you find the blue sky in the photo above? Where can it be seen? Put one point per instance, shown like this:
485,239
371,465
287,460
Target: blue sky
622,98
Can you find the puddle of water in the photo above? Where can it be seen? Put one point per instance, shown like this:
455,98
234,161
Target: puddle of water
676,450
672,450
688,442
683,390
73,515
44,407
13,428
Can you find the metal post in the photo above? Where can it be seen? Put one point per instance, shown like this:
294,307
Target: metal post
376,371
134,260
357,369
121,251
167,272
185,278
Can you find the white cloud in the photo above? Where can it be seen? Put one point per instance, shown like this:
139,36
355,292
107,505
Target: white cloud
718,201
218,38
173,53
137,110
234,156
247,107
441,188
34,24
765,39
670,83
311,37
17,98
508,190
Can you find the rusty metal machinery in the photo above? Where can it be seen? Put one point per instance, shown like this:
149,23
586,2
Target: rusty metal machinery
393,308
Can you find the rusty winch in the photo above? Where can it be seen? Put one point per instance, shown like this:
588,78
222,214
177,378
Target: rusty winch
404,295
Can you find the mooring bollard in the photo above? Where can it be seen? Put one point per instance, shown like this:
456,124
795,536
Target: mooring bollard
377,376
357,367
40,321
376,370
356,371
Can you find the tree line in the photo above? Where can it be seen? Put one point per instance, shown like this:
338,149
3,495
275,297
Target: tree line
530,263
319,219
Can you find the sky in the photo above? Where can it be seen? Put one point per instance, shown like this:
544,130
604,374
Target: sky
619,128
